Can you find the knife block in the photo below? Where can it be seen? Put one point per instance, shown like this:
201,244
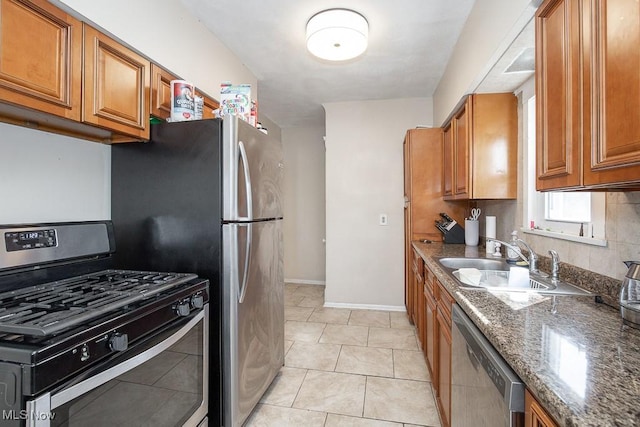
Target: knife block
455,235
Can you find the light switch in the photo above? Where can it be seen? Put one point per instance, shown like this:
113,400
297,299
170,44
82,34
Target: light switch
383,219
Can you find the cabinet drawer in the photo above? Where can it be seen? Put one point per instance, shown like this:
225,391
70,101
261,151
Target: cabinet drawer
429,279
445,300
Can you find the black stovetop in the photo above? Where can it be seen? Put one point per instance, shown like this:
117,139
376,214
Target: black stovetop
51,308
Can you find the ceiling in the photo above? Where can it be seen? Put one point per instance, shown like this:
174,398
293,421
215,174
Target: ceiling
410,42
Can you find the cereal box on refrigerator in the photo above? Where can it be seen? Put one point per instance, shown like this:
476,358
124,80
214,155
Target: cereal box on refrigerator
236,100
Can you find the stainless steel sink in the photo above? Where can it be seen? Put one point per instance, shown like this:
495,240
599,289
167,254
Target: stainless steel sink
504,279
498,275
479,263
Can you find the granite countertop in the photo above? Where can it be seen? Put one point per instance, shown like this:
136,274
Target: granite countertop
578,361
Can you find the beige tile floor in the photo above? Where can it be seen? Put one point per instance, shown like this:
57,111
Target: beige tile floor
352,368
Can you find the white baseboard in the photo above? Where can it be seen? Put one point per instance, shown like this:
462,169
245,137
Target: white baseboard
305,282
365,306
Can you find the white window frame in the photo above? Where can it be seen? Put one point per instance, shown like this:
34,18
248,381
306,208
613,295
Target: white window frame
535,201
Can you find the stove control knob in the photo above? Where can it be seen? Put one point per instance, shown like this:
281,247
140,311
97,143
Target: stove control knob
197,301
118,342
84,353
183,309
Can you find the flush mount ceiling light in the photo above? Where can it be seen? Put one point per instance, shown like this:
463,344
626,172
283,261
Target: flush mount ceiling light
337,34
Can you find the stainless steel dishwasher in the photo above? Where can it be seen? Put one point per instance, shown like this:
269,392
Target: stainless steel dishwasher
484,389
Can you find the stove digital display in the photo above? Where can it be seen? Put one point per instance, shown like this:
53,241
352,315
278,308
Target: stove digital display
24,240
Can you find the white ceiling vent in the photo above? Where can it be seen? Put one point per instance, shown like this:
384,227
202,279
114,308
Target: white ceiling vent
524,63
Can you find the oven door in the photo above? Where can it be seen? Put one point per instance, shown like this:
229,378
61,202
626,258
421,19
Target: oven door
161,382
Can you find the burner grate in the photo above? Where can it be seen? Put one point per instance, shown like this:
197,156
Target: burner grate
52,307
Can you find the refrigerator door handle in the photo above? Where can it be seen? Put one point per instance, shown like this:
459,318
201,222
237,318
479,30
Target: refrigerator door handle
247,182
242,290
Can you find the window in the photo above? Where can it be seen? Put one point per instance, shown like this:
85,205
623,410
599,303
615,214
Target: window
559,214
567,207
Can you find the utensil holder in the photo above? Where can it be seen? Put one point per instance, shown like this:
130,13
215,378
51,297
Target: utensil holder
471,232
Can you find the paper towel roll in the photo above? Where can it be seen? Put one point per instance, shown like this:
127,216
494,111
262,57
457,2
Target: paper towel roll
490,232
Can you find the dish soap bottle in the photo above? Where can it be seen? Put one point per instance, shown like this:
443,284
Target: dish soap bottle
512,256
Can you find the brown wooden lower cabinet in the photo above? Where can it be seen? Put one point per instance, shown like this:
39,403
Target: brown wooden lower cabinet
437,341
430,331
444,368
412,296
534,413
420,314
445,300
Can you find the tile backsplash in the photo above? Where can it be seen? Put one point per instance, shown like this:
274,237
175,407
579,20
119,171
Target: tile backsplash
622,234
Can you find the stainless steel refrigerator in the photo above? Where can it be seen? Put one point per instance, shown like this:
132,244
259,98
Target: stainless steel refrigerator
205,197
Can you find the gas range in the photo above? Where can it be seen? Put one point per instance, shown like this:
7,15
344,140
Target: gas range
51,308
65,318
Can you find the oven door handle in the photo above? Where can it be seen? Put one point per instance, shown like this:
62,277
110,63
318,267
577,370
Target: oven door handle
49,401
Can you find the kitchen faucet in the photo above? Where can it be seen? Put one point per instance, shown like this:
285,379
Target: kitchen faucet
555,267
533,257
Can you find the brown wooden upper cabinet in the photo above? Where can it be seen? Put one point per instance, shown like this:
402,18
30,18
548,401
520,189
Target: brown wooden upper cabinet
587,85
115,86
60,75
448,167
161,91
40,58
210,104
161,95
480,145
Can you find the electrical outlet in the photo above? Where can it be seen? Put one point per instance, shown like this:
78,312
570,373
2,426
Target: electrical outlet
384,220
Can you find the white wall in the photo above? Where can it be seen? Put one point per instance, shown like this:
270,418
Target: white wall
491,27
304,205
165,32
364,178
46,177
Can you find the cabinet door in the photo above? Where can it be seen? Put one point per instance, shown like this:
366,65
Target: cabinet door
461,139
210,104
612,92
420,324
534,414
40,58
406,158
408,261
425,158
444,368
558,131
116,86
494,159
161,92
411,287
448,166
431,334
417,288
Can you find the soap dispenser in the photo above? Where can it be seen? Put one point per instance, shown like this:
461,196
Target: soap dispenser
512,256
